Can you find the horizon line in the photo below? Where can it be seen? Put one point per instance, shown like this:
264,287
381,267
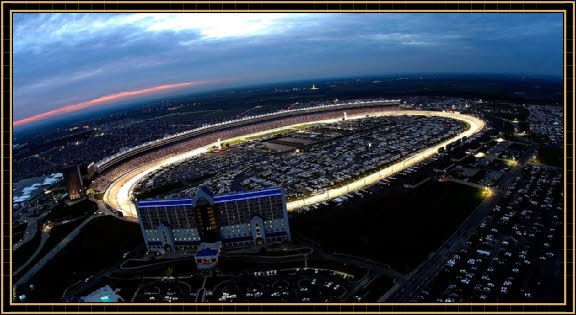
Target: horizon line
107,99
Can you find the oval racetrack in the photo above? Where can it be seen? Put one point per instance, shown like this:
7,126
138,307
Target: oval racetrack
118,195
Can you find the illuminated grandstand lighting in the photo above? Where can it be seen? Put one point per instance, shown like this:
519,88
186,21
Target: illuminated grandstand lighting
118,194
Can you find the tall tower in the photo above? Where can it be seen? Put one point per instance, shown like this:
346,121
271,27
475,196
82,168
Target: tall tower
73,182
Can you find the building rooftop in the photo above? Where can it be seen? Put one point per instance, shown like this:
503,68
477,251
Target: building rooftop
207,193
206,252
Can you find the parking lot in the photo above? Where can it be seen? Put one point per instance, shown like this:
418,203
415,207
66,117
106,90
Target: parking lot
271,285
516,254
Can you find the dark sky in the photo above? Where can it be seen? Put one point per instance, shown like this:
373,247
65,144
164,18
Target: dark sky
90,59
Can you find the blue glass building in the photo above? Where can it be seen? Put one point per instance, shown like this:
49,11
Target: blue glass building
239,220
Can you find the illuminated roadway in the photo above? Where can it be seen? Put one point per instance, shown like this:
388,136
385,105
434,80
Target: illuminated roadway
421,277
118,194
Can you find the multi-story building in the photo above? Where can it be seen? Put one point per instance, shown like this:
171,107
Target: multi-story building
239,220
73,182
87,171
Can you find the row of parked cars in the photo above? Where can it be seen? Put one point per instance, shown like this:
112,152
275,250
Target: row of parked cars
514,254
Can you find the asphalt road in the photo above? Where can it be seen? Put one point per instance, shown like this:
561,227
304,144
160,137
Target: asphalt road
43,239
28,275
30,230
419,280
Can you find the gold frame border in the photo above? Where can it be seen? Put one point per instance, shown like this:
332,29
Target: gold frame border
302,11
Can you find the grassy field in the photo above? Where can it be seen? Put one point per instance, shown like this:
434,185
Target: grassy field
373,291
58,214
99,246
23,253
551,156
399,228
18,231
278,132
64,212
57,234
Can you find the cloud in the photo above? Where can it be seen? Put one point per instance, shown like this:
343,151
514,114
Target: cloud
68,28
63,58
218,26
61,80
415,39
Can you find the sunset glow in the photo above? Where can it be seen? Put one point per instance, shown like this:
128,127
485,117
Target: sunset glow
106,99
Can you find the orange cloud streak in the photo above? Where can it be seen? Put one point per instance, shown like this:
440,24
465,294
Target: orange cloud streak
104,99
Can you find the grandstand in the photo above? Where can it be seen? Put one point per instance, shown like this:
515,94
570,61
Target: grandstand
117,170
106,163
